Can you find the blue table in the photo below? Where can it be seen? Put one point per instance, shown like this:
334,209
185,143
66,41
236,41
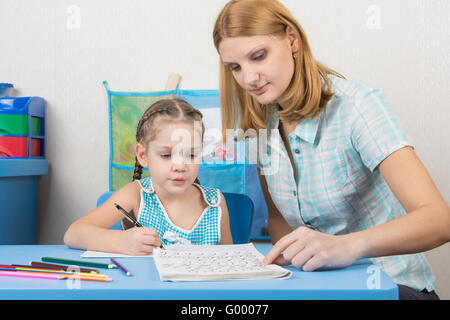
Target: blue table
354,282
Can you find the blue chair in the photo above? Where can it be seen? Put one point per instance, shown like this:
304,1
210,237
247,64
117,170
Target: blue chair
240,209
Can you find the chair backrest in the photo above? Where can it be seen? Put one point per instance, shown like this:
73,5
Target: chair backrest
105,196
240,209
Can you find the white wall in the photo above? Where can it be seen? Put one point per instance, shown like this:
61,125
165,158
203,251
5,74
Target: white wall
399,46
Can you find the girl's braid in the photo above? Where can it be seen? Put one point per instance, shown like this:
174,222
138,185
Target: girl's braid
140,135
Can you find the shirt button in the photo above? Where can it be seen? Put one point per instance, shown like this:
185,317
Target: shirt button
295,193
307,224
297,151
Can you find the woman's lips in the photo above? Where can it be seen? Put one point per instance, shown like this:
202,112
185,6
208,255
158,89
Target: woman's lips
259,91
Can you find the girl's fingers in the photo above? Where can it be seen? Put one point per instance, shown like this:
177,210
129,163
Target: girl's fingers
150,240
149,231
147,249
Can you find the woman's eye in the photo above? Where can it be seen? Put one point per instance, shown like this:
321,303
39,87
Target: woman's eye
235,67
260,55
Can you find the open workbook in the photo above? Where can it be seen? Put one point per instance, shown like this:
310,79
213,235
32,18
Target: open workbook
221,262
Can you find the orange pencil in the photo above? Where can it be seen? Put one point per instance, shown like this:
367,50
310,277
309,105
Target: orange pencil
87,278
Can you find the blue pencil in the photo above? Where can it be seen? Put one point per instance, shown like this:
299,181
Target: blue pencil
121,267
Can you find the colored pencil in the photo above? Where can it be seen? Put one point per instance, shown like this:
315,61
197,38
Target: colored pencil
29,275
121,267
87,278
36,264
79,263
54,276
28,267
12,268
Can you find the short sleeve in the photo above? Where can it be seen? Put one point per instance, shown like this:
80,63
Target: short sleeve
375,132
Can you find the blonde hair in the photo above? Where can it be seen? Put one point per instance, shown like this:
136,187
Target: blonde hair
306,95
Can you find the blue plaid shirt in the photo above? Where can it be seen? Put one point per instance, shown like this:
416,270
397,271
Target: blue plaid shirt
152,214
336,188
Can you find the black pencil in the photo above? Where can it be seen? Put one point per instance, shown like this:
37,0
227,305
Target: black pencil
128,216
131,218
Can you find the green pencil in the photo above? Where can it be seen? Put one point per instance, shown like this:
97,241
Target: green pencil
79,263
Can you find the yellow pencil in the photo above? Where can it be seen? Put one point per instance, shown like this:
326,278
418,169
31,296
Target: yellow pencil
62,272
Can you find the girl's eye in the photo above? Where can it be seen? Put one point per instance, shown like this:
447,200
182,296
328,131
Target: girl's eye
165,155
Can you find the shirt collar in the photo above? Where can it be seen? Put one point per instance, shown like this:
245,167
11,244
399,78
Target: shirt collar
306,129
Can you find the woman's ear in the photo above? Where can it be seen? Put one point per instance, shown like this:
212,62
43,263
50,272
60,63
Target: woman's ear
141,155
293,37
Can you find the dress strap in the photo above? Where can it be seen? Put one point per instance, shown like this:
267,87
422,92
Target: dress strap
211,195
146,185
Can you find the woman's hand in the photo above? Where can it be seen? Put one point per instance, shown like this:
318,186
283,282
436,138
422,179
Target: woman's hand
140,241
310,250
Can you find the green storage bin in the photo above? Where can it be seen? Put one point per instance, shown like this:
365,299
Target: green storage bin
14,124
17,125
36,126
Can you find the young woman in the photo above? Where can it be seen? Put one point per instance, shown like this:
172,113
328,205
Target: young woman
345,182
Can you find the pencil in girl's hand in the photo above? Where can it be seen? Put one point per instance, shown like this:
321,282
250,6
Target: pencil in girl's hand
131,218
79,263
128,216
121,267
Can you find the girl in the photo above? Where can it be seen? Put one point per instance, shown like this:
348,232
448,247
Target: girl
170,204
347,183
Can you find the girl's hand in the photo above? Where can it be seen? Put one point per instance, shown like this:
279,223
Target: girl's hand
140,241
310,250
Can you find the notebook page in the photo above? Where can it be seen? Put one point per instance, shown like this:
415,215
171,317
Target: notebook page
221,262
